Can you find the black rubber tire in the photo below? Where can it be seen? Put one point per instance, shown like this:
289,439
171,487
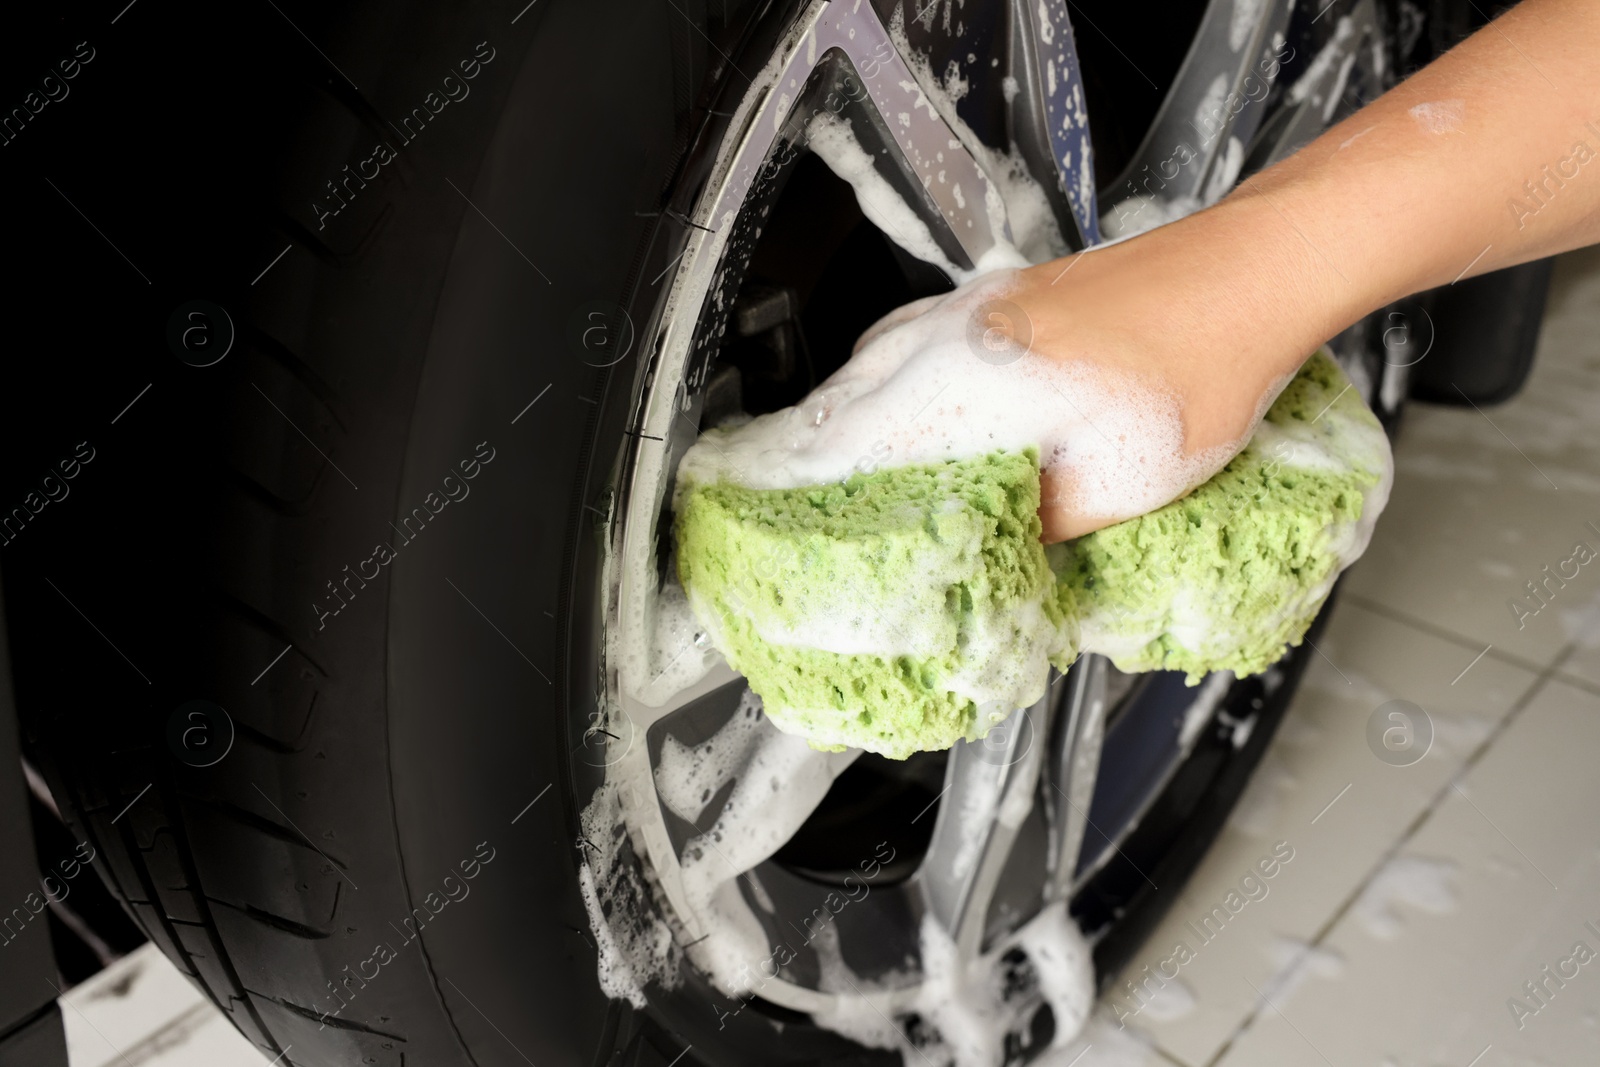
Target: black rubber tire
1487,331
209,508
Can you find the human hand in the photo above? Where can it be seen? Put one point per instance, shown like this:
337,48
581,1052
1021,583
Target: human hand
1185,326
1138,370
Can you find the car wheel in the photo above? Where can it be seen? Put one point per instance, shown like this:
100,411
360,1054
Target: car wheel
329,647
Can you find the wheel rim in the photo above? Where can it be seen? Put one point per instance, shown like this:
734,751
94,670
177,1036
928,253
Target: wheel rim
1049,752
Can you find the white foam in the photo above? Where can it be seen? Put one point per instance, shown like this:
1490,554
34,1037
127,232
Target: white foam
1209,113
831,139
1227,172
962,998
676,654
1317,70
635,946
851,1013
1439,116
1017,203
921,388
972,1006
1417,881
687,778
1063,965
1244,19
779,782
1396,385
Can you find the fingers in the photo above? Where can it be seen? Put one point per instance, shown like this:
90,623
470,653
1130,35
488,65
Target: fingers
1061,525
898,317
1061,520
1061,517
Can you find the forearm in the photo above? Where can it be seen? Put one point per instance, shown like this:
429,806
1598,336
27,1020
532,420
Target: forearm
1485,159
1488,158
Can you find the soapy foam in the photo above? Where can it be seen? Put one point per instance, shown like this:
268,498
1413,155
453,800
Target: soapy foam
971,1006
850,1012
1420,882
831,139
966,1003
777,780
1310,82
687,778
1245,17
1439,116
1017,203
677,651
1063,965
1227,171
777,785
919,389
634,944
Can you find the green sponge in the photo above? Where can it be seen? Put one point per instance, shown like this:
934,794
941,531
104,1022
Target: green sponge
904,610
882,611
1228,576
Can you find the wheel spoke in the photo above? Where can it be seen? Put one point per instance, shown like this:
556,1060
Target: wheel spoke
1156,728
1049,119
1071,767
1313,101
990,787
1195,148
642,716
893,119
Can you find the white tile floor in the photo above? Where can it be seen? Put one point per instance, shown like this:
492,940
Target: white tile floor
1415,902
142,1012
1417,905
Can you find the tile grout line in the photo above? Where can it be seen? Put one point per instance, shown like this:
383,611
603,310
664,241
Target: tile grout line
1555,669
1404,618
1592,688
1518,706
1542,675
1170,1057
